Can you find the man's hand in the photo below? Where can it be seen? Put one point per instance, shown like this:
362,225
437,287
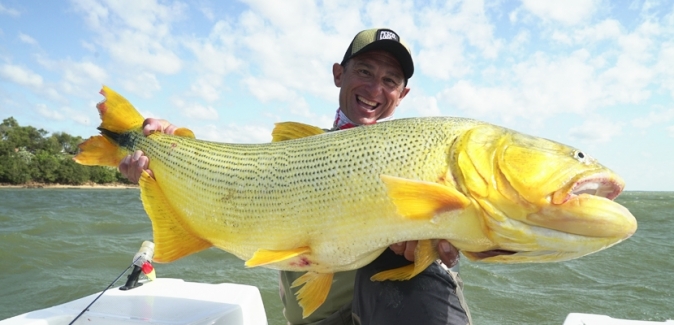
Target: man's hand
449,255
132,166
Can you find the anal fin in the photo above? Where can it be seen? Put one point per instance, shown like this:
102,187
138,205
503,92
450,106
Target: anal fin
172,238
264,257
315,289
424,255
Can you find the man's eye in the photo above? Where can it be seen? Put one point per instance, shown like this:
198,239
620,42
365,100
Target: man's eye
364,72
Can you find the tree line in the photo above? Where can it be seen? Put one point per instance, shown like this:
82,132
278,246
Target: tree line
30,155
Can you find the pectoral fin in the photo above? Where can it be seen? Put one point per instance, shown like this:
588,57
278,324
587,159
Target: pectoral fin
424,255
293,130
172,237
313,292
420,199
264,257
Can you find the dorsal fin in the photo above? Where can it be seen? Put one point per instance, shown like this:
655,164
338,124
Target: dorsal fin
293,130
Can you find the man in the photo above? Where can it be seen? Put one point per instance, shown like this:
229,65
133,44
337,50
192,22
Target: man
372,78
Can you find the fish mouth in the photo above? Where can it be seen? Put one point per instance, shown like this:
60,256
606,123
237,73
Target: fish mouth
586,208
601,185
487,254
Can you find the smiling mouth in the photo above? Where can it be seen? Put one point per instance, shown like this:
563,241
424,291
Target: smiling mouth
371,105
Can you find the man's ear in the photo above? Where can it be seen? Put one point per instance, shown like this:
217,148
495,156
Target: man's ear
337,73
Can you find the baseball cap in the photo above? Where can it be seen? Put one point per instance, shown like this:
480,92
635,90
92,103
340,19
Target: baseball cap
381,39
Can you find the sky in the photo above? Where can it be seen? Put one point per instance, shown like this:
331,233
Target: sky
597,75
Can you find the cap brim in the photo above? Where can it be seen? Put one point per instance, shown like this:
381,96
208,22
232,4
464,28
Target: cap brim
398,50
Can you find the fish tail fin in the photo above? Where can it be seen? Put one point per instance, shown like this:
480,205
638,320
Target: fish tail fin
99,151
118,116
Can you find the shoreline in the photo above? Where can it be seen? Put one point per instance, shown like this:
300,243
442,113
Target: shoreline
111,186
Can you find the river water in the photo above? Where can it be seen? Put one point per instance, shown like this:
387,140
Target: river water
60,244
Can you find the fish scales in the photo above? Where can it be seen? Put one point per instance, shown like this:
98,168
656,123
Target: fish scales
289,186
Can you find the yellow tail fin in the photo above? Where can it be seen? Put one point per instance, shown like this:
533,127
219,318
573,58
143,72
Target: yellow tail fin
117,114
99,151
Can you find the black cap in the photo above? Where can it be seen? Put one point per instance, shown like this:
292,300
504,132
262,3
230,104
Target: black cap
381,39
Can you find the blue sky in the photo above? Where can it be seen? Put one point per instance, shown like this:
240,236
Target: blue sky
597,75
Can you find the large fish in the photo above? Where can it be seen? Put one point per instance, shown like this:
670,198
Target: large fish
329,202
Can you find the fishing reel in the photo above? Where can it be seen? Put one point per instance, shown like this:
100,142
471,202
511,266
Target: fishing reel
141,263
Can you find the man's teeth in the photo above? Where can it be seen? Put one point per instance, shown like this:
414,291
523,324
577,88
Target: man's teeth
367,102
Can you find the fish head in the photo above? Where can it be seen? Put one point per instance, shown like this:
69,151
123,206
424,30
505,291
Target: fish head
539,200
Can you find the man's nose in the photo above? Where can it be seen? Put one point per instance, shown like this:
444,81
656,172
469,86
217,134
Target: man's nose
375,86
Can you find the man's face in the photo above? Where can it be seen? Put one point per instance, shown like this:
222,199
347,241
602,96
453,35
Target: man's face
371,85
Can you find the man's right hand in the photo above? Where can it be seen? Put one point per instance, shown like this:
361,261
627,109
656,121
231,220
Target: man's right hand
132,166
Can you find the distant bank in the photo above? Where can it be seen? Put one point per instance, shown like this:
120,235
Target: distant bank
82,186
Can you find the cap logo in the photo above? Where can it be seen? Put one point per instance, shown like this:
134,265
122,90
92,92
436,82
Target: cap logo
387,34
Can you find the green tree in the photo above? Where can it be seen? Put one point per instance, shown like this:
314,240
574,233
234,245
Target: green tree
22,136
67,142
72,173
102,174
45,165
14,170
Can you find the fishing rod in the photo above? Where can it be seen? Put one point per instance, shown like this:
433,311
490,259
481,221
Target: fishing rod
140,263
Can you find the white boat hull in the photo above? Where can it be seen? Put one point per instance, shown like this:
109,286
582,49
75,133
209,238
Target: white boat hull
163,301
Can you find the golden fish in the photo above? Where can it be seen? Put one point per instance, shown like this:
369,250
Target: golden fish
329,202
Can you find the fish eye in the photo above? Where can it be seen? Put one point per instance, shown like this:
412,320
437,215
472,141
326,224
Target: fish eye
583,157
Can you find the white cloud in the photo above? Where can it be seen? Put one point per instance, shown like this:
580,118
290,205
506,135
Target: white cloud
142,50
76,77
671,131
9,11
234,133
143,84
135,34
51,114
478,101
569,12
653,118
195,110
215,55
608,29
448,35
21,76
27,39
207,87
596,130
420,105
665,66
